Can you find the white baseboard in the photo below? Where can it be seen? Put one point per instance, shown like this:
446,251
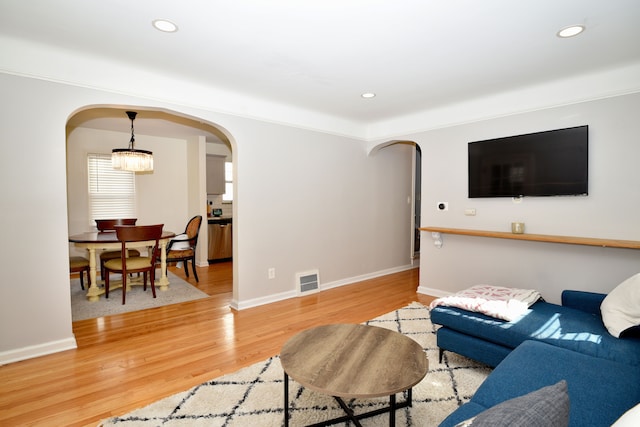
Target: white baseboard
241,305
255,302
432,292
356,279
30,352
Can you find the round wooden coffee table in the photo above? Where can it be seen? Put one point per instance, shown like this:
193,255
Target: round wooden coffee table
353,361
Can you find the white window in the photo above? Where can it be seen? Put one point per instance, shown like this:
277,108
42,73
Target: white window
112,193
228,183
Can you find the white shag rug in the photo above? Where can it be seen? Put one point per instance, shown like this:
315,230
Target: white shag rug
136,299
253,396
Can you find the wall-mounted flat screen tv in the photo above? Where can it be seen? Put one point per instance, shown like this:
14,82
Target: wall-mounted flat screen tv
550,163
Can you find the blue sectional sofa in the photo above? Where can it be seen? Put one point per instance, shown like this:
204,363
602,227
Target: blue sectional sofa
600,390
574,325
549,343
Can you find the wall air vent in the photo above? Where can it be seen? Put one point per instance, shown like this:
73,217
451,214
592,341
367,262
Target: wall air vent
308,282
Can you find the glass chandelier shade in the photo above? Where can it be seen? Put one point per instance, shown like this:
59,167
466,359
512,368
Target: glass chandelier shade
132,159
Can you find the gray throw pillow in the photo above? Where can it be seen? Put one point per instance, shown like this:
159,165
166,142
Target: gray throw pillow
546,407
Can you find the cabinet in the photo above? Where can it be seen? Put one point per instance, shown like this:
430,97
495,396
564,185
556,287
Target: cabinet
215,174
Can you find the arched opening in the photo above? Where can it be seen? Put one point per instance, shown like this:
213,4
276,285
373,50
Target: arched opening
415,171
177,188
416,191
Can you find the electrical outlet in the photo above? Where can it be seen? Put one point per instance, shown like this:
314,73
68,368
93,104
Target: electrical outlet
271,273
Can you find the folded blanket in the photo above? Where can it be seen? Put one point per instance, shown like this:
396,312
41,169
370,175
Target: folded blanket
495,301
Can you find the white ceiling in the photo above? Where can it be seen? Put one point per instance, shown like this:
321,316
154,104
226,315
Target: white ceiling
320,55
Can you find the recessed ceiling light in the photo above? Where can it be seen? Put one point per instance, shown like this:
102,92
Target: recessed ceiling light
571,31
164,25
368,95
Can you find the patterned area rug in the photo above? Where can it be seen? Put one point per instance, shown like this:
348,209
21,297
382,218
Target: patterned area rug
136,299
253,396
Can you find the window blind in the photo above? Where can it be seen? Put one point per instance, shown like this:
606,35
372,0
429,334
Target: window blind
112,193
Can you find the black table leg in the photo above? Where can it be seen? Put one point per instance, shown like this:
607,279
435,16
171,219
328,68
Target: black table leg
286,400
350,414
392,410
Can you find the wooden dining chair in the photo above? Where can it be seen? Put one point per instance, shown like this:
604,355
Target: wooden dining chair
78,264
125,265
107,225
183,246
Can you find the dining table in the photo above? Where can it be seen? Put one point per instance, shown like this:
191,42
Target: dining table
96,241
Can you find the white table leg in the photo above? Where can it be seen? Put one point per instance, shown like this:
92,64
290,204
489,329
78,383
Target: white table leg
164,280
93,293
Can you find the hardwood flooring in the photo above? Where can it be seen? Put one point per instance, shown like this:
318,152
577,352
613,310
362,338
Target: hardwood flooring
126,361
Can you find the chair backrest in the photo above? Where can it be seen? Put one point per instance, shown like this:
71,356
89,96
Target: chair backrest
110,224
193,227
188,239
138,233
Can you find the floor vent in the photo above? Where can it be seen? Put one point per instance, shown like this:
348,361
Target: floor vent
308,282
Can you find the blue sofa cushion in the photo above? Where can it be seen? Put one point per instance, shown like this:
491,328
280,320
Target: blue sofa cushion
546,407
600,390
554,324
474,348
582,300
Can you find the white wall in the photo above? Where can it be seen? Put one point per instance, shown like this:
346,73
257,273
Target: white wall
35,315
196,194
609,211
304,199
308,200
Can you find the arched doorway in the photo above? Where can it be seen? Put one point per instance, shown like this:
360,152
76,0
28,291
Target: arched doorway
416,191
174,191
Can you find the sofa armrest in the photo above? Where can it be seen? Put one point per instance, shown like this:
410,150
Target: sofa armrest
581,300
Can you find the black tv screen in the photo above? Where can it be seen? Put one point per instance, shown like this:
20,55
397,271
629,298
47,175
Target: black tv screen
550,163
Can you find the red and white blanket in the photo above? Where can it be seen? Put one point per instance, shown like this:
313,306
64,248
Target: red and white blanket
495,301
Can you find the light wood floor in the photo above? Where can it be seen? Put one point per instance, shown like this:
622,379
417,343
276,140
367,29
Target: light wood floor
126,361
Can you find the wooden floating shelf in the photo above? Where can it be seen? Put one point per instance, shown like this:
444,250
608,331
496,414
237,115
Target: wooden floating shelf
588,241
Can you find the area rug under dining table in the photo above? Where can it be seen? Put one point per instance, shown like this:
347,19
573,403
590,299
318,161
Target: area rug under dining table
137,299
253,396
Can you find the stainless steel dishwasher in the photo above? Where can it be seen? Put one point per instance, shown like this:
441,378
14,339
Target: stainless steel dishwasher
220,239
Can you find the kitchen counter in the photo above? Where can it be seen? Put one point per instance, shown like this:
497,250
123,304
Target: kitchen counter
219,220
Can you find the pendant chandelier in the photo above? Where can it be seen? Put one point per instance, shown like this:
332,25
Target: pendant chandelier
132,159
